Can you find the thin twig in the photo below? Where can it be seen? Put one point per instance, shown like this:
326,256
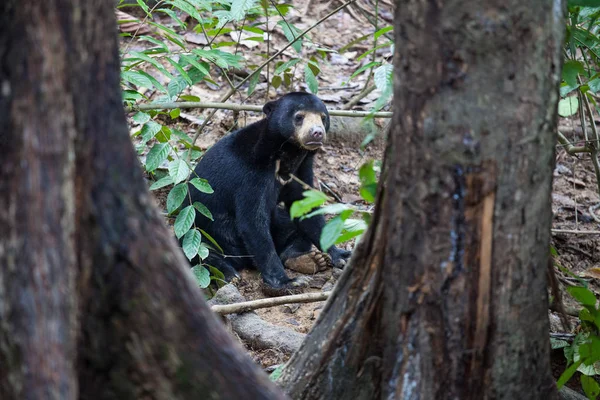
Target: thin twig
570,148
245,306
354,101
243,107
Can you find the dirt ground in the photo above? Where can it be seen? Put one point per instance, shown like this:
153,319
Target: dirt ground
575,190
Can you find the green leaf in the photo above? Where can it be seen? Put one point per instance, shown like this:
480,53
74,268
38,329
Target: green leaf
143,5
164,135
566,89
175,87
382,31
224,17
203,210
141,117
156,83
366,53
276,373
383,77
181,135
590,387
594,85
311,80
136,79
314,66
184,221
181,71
252,83
331,231
191,243
330,209
567,374
582,295
558,343
368,182
365,67
286,65
174,113
166,181
202,185
131,95
345,236
157,42
276,81
353,42
239,8
186,97
312,198
152,61
195,64
355,225
291,33
568,106
157,154
201,275
176,197
150,129
216,273
212,240
584,3
187,8
221,58
179,170
203,251
571,69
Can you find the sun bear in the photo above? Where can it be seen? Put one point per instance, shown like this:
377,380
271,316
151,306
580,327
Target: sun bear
251,172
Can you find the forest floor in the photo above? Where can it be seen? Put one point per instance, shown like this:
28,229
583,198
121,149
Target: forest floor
575,189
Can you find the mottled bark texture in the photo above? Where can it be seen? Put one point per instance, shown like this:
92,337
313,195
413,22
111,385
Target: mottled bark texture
446,296
95,300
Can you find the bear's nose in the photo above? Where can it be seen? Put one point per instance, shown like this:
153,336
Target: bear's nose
317,132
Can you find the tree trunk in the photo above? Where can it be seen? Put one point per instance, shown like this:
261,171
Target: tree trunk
95,299
445,297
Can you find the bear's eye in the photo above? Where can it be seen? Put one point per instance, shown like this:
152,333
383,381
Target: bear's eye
298,118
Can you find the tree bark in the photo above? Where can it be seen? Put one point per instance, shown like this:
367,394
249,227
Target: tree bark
445,298
95,298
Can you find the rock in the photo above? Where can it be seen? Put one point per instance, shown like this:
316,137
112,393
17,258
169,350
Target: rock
337,272
328,286
255,331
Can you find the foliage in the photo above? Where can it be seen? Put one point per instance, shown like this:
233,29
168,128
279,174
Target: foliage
579,98
583,354
341,228
171,65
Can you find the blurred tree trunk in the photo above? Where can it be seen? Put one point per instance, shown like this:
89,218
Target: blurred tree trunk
445,297
95,302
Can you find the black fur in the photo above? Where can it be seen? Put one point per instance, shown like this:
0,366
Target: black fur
248,223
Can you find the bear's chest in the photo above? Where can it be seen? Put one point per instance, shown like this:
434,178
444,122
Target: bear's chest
286,165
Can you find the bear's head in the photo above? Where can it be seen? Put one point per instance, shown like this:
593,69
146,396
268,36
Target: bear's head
298,117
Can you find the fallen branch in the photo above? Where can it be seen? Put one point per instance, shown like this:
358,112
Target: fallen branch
245,306
243,107
574,232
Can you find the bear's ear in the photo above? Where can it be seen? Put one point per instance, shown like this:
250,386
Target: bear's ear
269,108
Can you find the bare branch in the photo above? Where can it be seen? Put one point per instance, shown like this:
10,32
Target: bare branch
245,306
243,107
